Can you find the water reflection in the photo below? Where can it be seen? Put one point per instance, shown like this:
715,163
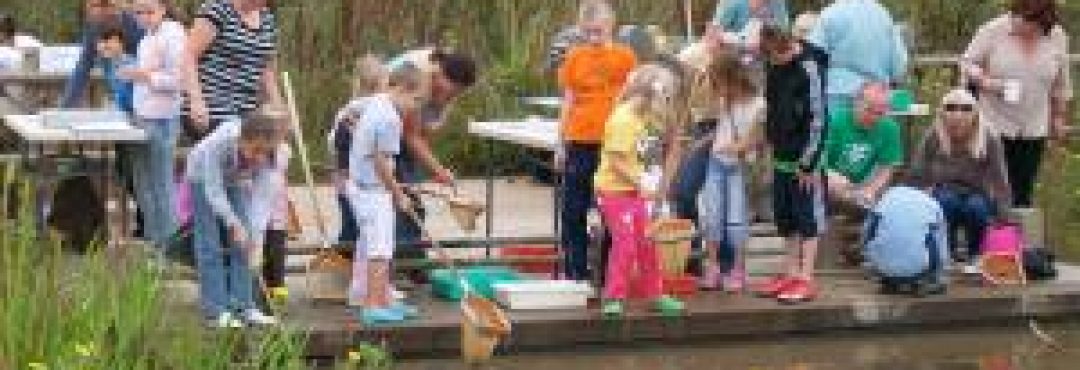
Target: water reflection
979,349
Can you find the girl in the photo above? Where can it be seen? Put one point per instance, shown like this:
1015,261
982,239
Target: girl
374,191
629,175
232,172
591,77
156,77
739,114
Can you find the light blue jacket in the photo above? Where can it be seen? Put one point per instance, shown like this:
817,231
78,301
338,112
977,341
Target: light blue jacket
214,163
863,45
733,15
897,244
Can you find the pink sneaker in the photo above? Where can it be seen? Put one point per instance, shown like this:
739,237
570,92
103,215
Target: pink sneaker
735,281
710,279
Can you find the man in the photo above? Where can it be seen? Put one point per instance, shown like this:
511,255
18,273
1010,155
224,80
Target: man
447,76
863,46
864,147
99,13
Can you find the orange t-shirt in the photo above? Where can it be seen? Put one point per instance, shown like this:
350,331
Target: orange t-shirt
594,75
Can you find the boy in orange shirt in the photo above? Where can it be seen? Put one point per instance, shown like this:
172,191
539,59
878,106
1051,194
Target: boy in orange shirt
591,76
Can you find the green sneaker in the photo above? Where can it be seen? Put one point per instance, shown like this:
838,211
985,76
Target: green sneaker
612,309
669,306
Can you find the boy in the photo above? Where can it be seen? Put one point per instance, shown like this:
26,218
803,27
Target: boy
232,174
375,193
795,127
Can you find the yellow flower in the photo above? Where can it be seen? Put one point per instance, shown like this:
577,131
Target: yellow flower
37,366
85,350
355,356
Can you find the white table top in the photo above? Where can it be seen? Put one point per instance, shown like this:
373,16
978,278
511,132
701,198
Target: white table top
536,133
30,128
542,133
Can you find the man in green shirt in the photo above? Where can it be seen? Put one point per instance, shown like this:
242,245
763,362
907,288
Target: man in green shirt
863,148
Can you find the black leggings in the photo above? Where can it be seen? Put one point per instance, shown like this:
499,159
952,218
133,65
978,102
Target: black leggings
1022,160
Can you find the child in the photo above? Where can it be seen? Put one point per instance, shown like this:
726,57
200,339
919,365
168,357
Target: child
110,50
795,126
376,138
629,175
156,101
739,112
370,79
232,172
591,77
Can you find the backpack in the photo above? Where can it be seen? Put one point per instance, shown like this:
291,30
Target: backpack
904,235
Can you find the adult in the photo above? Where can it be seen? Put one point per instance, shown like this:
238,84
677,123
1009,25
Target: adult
863,46
864,146
735,15
446,76
232,61
957,143
99,14
1019,61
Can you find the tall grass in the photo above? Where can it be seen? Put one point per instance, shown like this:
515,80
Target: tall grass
108,310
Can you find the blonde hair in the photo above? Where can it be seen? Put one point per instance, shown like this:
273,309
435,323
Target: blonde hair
595,11
370,76
657,92
977,141
722,71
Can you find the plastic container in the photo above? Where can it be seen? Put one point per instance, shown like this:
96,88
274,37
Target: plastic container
446,285
543,294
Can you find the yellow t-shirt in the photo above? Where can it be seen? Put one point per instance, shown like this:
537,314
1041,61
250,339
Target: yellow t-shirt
626,133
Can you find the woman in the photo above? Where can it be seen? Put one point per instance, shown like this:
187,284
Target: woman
963,164
232,61
1019,64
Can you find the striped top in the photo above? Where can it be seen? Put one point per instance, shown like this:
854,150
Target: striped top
230,70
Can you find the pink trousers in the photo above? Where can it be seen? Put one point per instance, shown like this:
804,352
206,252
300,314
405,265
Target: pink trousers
633,264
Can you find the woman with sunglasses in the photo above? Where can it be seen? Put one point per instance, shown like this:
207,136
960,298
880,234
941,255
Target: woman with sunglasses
963,164
1019,63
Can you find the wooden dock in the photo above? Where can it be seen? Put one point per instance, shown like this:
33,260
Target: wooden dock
848,302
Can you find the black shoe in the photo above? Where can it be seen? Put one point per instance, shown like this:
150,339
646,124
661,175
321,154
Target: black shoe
926,289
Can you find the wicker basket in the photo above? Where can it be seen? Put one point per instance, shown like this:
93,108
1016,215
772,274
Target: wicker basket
483,325
673,238
328,276
1002,269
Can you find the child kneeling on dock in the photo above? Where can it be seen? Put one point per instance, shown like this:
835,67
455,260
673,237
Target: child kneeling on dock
232,173
905,242
374,192
628,178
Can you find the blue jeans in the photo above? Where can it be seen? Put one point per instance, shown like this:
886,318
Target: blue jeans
725,219
225,283
685,190
577,197
969,211
152,174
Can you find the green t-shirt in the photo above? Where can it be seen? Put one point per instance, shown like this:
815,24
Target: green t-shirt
855,151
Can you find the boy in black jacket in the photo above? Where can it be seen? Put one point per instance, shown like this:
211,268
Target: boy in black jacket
795,130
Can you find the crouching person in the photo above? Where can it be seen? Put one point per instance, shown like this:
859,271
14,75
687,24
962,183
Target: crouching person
232,173
905,241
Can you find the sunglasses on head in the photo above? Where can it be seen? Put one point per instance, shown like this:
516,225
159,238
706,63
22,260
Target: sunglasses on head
959,108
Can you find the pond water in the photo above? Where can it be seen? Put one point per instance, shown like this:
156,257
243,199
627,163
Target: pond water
1013,348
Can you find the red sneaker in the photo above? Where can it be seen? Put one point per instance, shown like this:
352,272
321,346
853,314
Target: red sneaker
772,287
799,290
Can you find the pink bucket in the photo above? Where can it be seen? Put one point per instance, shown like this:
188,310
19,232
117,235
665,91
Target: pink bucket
1003,239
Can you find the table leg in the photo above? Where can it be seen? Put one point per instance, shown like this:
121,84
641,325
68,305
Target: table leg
490,201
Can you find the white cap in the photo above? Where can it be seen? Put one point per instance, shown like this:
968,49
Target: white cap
959,96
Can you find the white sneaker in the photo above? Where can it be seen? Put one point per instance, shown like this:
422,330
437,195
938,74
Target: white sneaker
225,320
256,317
970,269
397,295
